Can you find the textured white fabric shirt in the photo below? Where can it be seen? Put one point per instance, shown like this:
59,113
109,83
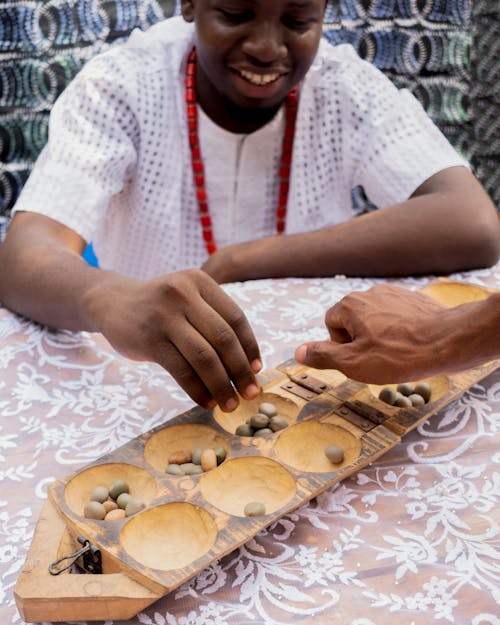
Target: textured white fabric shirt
117,166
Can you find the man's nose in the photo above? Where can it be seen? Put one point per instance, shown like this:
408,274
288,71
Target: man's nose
265,43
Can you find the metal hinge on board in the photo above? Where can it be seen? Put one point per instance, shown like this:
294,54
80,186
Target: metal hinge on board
305,386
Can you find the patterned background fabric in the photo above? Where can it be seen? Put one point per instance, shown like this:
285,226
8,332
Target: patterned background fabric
447,52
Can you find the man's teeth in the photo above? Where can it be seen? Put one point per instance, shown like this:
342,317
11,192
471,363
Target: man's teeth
258,79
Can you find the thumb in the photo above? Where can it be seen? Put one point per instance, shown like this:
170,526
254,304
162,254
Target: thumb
322,354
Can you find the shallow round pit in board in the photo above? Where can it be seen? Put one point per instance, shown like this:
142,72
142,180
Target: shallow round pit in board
247,408
163,443
169,536
302,446
78,490
455,293
439,386
240,481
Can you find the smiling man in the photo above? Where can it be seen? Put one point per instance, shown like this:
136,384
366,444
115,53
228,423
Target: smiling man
220,146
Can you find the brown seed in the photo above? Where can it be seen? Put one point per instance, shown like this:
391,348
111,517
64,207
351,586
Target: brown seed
208,459
180,457
110,505
196,459
115,515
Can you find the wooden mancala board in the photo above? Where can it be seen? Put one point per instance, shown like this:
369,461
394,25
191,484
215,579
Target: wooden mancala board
192,521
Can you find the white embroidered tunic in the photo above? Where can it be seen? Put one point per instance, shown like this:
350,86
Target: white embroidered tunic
117,166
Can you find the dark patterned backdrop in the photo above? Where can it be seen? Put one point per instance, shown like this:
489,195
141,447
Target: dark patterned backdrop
446,51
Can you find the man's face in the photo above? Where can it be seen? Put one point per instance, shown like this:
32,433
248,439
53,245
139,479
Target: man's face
252,52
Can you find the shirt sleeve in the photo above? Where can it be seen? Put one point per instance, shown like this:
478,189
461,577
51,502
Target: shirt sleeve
91,149
401,146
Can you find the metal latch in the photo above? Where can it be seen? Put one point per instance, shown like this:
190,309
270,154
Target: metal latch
91,557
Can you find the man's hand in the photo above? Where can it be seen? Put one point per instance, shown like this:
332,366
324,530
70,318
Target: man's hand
386,334
186,323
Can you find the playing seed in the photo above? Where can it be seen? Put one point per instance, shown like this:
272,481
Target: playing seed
388,395
334,454
423,389
117,488
94,510
254,508
268,409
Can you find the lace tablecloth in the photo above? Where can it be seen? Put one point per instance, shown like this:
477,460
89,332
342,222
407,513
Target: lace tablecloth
412,538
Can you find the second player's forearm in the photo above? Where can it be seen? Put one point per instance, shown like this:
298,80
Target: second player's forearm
410,238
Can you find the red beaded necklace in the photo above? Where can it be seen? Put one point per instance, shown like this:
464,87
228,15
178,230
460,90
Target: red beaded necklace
197,162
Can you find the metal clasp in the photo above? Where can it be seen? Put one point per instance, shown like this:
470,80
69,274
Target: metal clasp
91,556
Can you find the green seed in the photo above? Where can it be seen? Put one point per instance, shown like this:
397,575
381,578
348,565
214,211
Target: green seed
405,388
424,389
174,469
117,488
262,432
220,453
254,508
244,429
402,401
123,499
334,454
94,510
189,468
278,423
416,399
197,455
259,421
133,506
388,395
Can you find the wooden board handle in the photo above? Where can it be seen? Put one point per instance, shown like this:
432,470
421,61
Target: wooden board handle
41,596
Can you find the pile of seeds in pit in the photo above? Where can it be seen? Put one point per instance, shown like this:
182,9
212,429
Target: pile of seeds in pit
406,395
187,462
265,421
113,503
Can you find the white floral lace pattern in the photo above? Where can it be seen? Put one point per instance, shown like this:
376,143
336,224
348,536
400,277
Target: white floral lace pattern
411,539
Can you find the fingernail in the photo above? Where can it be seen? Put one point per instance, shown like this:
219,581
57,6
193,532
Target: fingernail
256,365
230,405
251,391
211,403
301,353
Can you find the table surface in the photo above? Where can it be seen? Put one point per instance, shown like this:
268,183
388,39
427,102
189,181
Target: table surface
412,538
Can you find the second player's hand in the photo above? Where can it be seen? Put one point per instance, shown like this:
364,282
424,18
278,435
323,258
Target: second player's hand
186,323
385,334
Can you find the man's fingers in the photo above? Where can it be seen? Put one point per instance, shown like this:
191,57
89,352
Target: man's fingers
322,355
169,357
